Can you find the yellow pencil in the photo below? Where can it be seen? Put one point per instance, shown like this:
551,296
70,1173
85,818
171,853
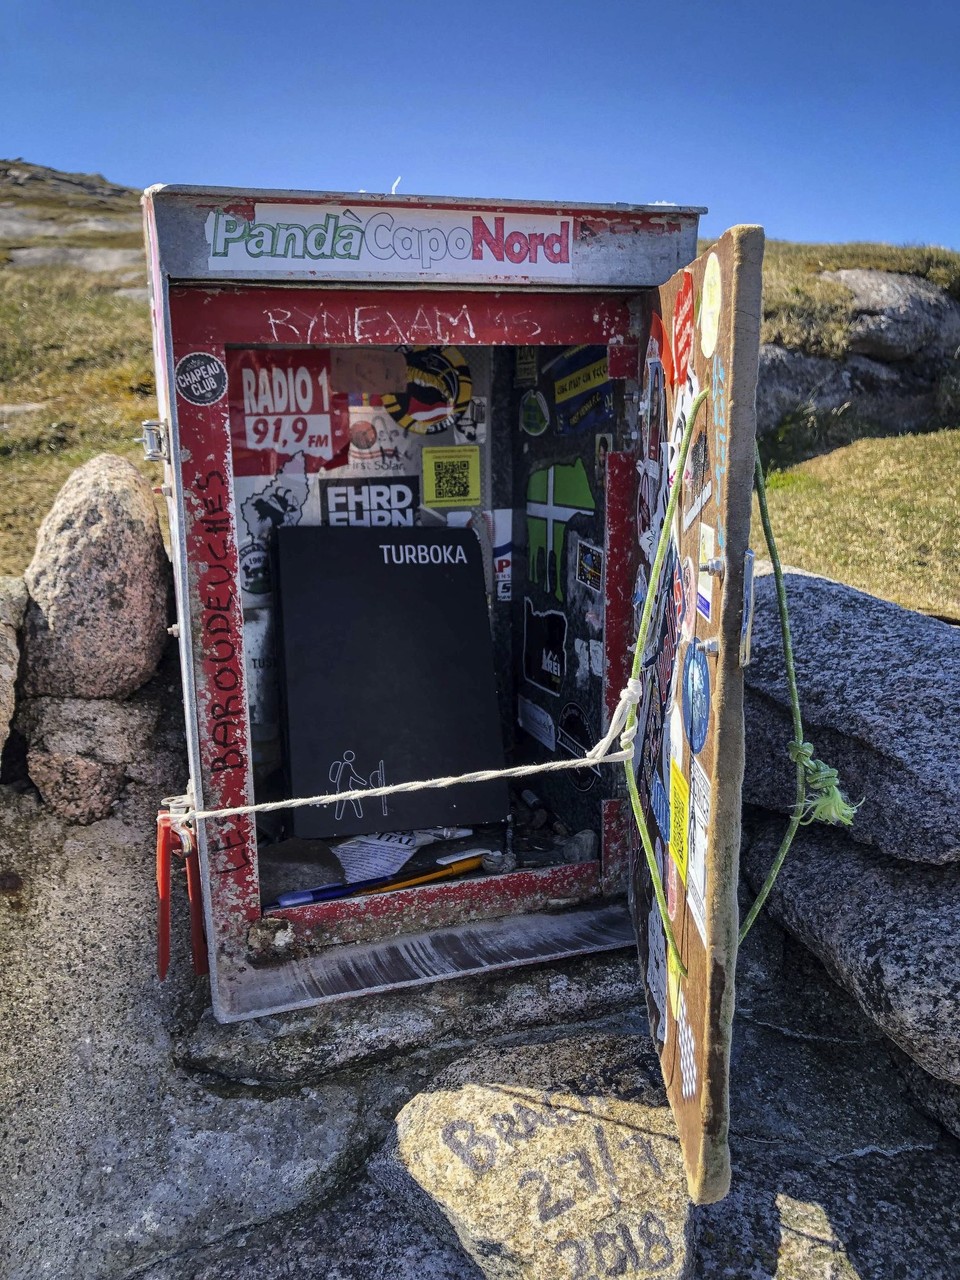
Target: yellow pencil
467,864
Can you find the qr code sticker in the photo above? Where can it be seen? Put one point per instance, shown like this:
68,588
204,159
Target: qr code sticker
452,479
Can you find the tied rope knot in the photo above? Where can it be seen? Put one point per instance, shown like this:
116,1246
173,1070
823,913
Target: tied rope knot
623,725
824,801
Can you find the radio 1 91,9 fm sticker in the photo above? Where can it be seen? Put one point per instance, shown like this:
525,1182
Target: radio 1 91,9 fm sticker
696,697
201,378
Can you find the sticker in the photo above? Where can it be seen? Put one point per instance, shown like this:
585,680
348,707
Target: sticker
674,893
503,552
705,580
525,368
657,969
471,426
537,722
683,329
544,648
679,596
377,446
589,565
688,577
697,850
696,698
576,737
451,476
589,654
582,392
369,503
280,501
679,818
661,806
698,487
710,306
603,444
255,577
688,1050
534,413
201,378
374,370
437,394
554,496
282,406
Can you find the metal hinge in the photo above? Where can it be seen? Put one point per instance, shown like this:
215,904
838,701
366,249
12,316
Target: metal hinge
154,440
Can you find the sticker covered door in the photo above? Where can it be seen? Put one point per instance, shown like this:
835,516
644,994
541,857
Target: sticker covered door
701,335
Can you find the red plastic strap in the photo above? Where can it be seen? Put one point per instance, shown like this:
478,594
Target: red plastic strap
169,839
198,941
164,842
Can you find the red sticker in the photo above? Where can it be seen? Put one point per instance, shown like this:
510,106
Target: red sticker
683,329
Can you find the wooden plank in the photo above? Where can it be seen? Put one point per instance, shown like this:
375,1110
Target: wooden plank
702,335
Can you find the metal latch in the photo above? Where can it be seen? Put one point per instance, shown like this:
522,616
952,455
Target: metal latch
154,440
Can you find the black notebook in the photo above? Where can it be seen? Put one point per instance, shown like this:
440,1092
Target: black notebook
387,676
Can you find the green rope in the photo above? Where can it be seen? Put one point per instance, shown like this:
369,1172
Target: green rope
819,798
645,616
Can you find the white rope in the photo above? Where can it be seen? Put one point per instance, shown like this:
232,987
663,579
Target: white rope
598,754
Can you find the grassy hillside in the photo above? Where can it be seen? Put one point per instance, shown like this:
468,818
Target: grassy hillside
76,378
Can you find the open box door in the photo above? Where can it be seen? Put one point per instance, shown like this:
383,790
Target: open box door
702,334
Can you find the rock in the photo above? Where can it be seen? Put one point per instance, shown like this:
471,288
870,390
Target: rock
362,1236
899,316
434,1022
790,381
13,601
888,932
868,1216
938,1098
111,1155
73,787
98,581
80,750
820,1132
880,698
895,399
545,1167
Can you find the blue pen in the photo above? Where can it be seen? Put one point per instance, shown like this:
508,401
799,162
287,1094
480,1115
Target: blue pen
326,892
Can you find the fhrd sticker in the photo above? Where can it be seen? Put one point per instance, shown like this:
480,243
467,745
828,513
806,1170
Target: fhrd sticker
201,378
451,476
696,698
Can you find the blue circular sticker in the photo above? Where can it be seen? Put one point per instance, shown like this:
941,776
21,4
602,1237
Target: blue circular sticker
696,697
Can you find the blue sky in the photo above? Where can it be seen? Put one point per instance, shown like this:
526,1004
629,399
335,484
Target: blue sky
823,121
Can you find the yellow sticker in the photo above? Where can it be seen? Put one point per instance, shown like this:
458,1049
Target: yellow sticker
594,375
679,818
451,476
710,306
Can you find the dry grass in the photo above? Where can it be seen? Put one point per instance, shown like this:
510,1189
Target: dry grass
66,340
882,515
